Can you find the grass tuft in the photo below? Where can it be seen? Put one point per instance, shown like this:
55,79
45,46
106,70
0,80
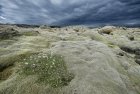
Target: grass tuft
50,69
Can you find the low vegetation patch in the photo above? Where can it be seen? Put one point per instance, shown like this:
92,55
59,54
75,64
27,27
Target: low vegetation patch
30,33
50,69
7,63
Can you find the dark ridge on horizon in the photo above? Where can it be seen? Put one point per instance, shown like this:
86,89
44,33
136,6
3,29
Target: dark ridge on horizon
57,26
31,25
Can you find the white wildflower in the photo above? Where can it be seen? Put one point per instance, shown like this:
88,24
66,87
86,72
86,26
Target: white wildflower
53,60
44,56
53,63
31,57
39,56
26,63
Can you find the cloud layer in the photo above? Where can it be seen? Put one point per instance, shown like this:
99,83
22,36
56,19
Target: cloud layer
70,12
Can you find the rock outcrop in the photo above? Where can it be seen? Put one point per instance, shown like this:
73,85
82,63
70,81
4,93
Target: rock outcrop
107,29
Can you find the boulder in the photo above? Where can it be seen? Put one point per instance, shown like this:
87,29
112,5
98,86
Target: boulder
107,29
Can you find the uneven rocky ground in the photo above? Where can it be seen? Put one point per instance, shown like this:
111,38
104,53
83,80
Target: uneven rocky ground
102,60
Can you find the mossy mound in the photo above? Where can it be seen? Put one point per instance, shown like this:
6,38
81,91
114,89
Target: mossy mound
6,33
107,29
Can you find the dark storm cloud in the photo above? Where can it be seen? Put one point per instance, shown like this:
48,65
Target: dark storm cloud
70,12
118,12
0,9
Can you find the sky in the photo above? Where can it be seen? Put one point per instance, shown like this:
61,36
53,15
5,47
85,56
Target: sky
70,12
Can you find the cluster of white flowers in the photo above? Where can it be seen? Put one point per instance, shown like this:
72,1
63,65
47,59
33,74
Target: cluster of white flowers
48,67
36,62
26,63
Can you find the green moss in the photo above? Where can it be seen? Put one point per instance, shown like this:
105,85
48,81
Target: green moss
97,38
135,80
8,62
50,69
30,33
111,45
12,58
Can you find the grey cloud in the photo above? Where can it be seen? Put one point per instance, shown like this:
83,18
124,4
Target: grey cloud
0,10
70,12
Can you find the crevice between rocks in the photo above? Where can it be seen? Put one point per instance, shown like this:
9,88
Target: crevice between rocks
5,71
